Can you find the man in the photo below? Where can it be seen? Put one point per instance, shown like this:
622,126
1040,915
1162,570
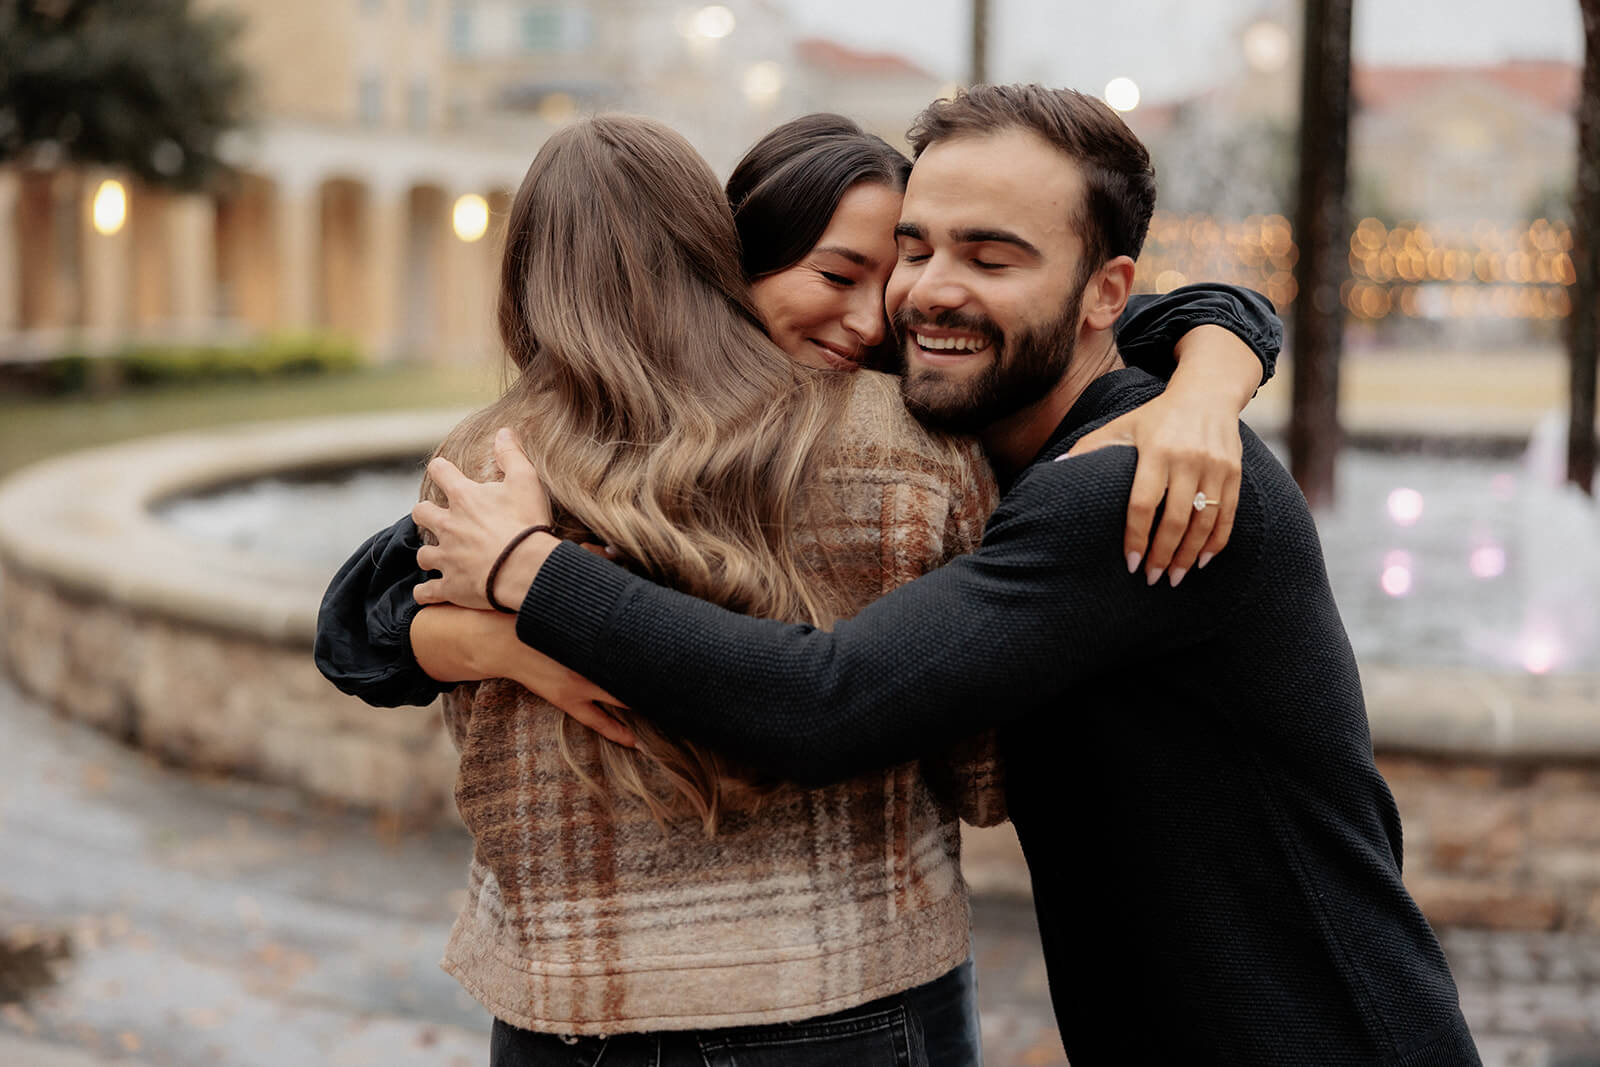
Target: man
1215,858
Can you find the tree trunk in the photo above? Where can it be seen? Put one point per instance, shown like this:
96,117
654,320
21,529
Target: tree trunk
1322,228
1584,338
980,42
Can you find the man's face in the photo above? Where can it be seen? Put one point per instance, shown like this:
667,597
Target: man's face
987,288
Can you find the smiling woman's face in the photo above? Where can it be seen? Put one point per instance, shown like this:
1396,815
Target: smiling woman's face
827,310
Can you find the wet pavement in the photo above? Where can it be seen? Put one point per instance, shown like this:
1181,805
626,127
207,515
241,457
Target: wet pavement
229,924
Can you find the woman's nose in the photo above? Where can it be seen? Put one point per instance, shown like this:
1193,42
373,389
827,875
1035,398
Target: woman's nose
865,317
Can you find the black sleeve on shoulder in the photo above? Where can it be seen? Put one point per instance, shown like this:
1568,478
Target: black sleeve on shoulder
1152,324
363,641
977,643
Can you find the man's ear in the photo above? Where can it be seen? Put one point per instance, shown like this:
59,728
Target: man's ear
1107,293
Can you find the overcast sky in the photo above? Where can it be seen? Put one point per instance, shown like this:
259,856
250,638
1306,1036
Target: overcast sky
1174,47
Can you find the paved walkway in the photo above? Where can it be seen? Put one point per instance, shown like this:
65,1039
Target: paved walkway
227,924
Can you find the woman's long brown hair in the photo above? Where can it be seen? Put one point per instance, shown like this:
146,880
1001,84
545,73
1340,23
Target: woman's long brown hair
666,422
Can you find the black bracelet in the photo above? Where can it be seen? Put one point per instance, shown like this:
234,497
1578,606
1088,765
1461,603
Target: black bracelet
505,554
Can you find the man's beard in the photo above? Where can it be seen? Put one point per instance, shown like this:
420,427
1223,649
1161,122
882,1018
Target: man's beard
1021,370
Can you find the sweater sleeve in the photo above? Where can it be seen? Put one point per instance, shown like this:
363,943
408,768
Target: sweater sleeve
977,644
1152,324
363,643
969,776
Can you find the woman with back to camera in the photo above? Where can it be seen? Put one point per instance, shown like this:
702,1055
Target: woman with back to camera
775,489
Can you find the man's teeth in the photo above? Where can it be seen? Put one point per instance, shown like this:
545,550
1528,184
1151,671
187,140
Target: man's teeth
951,344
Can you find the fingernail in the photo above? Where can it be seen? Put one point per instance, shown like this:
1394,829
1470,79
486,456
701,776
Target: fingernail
611,552
1206,557
1176,575
1152,577
1133,561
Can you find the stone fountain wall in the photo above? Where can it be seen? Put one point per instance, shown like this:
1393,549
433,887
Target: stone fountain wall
1507,844
221,702
196,652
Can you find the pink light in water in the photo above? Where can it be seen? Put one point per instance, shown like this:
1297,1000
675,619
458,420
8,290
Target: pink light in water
1487,561
1405,507
1540,653
1396,577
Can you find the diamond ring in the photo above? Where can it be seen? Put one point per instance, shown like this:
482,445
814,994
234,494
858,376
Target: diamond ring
1201,502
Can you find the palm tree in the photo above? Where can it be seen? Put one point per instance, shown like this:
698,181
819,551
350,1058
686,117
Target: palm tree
980,42
1584,338
1321,225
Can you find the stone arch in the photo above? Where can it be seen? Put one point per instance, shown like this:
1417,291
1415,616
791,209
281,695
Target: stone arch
49,234
150,296
247,254
422,270
344,243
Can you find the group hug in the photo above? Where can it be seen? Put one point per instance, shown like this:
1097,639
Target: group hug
833,507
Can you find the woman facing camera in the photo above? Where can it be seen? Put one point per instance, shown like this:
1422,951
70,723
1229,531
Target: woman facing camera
649,903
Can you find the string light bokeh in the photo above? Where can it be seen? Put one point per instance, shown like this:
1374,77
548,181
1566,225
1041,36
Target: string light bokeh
1414,270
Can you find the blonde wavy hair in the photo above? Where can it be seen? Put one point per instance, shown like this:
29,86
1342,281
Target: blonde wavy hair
666,422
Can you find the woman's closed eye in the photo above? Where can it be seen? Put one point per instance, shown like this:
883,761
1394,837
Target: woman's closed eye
838,279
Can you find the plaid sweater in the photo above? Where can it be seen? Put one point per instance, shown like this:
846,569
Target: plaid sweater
586,916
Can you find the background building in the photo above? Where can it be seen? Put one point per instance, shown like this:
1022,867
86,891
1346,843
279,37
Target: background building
391,136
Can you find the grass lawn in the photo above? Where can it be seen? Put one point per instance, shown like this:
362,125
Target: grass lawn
34,428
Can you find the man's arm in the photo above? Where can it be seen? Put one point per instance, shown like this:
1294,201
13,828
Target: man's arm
978,643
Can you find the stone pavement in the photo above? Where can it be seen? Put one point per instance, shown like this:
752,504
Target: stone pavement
230,924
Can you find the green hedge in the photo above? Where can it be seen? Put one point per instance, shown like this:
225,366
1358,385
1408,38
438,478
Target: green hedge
153,365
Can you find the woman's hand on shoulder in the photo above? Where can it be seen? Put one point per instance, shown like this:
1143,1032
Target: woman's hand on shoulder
1190,455
1184,450
477,525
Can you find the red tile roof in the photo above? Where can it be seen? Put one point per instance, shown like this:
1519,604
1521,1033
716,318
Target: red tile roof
1550,84
842,59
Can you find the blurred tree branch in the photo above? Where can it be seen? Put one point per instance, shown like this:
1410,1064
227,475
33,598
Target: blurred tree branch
152,86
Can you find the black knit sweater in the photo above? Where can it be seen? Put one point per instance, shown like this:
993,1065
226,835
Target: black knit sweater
1215,857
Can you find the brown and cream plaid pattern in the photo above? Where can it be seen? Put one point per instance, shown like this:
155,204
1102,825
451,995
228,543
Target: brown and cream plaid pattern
586,916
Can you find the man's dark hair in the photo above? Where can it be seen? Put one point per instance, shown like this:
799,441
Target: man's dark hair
1120,181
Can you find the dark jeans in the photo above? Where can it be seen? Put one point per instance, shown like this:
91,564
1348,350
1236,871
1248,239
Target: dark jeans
933,1025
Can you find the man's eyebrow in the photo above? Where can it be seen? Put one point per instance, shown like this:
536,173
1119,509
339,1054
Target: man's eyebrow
846,253
908,229
1004,237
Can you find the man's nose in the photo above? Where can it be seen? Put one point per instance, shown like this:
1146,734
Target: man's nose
936,288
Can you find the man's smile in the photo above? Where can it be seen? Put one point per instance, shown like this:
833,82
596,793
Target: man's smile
948,346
